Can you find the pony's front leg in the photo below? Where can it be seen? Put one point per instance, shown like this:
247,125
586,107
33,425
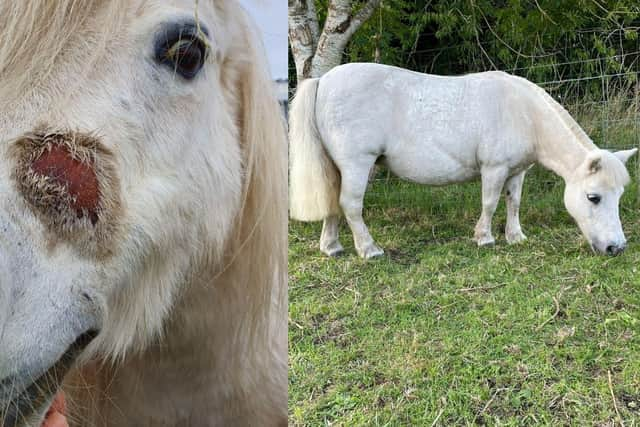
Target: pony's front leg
329,243
354,185
492,183
513,192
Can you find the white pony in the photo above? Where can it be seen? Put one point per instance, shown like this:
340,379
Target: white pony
441,130
142,179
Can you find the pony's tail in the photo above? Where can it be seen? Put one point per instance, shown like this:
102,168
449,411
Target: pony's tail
314,180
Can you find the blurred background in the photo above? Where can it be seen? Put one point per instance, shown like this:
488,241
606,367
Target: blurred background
271,17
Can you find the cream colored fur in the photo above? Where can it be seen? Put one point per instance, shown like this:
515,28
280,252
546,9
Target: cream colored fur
192,304
314,179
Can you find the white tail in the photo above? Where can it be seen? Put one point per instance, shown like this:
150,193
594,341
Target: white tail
314,180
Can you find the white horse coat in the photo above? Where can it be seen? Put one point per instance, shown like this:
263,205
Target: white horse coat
440,130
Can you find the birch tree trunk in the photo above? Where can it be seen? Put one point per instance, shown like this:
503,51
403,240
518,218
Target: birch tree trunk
316,52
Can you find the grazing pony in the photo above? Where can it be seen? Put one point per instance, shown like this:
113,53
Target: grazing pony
142,182
441,130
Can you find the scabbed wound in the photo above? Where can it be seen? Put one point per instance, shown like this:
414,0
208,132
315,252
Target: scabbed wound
77,177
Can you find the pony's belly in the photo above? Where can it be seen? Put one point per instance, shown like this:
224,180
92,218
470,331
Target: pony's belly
432,171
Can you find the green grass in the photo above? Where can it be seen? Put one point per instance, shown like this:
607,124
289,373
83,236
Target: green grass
440,330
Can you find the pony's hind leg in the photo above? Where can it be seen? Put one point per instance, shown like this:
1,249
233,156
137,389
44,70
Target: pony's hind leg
492,182
329,243
354,184
513,192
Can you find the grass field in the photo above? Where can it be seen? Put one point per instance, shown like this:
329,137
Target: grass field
440,332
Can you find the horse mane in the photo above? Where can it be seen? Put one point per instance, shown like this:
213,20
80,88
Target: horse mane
563,114
257,256
34,34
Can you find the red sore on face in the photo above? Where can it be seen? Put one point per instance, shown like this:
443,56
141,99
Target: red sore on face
79,178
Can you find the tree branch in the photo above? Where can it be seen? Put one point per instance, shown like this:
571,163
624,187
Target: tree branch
340,25
303,34
363,15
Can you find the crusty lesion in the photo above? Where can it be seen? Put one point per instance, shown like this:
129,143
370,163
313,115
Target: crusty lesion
69,180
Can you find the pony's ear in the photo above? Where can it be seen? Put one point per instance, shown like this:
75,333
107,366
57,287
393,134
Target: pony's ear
625,155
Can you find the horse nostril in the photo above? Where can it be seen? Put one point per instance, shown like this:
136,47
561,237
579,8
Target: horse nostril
614,249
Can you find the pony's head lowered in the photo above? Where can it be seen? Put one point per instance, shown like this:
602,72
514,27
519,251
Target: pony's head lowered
592,195
141,151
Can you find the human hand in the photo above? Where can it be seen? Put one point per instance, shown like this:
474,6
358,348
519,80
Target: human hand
56,414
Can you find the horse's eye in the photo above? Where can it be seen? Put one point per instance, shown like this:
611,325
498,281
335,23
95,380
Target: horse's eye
593,198
186,57
181,48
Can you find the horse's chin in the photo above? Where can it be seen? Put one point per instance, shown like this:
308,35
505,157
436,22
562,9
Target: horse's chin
28,405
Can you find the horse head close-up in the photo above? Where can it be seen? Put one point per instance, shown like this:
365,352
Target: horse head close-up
143,215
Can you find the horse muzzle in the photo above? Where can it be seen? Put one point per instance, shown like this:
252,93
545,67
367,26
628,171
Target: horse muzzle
21,401
611,249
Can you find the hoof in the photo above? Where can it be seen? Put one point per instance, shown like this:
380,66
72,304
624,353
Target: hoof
485,241
513,238
371,251
333,250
